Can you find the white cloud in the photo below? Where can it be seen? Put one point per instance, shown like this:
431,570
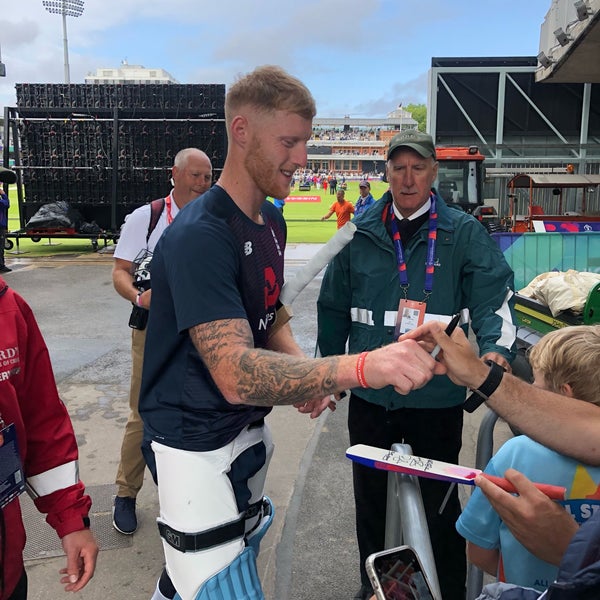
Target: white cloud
356,56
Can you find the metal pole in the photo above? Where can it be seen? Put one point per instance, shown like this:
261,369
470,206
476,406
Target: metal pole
484,451
2,65
65,45
115,170
406,517
65,8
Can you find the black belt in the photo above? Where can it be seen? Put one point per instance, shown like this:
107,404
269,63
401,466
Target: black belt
194,542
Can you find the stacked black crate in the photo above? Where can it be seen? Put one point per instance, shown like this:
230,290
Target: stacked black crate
108,148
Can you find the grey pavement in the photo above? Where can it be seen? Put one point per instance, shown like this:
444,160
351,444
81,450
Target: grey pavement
310,551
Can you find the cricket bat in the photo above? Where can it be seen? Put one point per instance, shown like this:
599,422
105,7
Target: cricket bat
388,460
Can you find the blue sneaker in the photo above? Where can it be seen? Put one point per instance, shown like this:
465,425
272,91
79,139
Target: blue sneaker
124,519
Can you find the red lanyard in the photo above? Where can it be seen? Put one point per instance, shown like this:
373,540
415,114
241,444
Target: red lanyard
168,201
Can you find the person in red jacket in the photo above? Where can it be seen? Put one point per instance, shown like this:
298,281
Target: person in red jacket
37,446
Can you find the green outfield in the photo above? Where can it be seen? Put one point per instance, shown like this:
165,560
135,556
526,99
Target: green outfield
303,218
303,221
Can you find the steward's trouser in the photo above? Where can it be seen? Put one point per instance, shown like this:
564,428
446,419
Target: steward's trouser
434,433
199,491
130,474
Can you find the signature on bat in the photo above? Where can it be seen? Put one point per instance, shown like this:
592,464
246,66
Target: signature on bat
407,460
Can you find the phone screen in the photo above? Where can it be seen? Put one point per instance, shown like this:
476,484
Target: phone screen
400,575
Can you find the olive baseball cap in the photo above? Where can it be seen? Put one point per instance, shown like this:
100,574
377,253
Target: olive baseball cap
411,138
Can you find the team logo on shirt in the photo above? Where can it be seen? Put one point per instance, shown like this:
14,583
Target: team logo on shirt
584,496
271,288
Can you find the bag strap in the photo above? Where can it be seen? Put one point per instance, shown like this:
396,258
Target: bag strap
156,208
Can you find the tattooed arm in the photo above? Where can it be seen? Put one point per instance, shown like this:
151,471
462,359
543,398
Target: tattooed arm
248,375
283,341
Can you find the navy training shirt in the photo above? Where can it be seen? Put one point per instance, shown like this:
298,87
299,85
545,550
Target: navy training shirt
212,263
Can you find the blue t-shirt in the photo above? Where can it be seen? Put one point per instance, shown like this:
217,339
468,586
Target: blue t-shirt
362,204
480,524
4,205
212,263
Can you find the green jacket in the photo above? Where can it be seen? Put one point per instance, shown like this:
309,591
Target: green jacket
360,293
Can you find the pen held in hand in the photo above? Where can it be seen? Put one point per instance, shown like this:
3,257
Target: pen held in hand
448,331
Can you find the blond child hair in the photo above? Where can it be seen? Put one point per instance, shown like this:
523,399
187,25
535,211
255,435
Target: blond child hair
570,356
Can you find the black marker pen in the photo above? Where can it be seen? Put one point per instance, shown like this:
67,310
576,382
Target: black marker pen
448,331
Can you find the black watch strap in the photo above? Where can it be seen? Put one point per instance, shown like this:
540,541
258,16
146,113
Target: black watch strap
487,388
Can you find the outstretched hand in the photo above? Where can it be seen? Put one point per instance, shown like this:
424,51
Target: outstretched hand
541,525
463,365
317,406
405,364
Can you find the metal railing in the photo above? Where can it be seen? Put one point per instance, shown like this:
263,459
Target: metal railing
405,515
405,519
483,453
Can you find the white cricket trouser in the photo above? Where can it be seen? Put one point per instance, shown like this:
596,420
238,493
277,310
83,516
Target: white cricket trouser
196,494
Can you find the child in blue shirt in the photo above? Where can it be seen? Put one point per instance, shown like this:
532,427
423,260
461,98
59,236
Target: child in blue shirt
564,361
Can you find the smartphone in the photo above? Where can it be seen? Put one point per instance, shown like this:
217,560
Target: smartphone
397,574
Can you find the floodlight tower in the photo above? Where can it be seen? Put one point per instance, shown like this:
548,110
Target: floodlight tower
2,65
66,8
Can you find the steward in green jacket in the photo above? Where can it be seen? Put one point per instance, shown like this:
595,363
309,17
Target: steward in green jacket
360,292
412,259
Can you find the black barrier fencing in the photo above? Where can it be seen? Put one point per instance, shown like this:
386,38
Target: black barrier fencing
107,149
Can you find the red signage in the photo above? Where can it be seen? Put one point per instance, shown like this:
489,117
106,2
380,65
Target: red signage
303,199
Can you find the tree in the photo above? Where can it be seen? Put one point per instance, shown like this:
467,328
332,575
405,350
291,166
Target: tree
419,114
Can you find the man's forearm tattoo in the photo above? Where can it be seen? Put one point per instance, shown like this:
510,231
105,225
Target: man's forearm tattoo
268,378
263,377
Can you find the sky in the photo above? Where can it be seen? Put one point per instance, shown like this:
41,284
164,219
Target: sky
360,58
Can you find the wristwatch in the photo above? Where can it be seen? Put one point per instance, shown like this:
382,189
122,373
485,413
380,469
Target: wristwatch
487,388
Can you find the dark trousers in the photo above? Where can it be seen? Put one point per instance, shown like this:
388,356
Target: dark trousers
3,231
20,592
432,433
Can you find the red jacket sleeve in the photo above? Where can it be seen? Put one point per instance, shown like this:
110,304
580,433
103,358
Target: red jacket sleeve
50,454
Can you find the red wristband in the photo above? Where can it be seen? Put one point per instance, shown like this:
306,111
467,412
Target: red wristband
360,369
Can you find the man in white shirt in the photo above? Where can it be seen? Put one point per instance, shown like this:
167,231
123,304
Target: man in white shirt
191,177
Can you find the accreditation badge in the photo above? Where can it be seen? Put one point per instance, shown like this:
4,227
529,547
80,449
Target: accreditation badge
410,315
12,479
